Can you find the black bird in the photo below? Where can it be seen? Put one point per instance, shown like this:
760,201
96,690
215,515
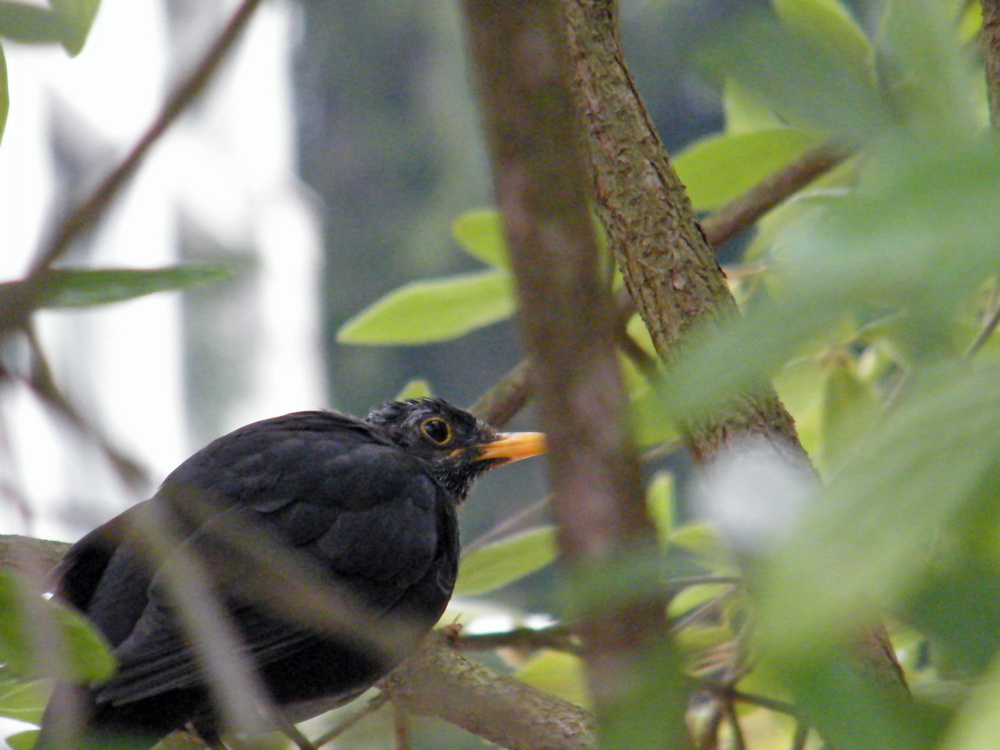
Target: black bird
361,509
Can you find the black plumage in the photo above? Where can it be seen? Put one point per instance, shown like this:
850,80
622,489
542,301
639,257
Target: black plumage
288,518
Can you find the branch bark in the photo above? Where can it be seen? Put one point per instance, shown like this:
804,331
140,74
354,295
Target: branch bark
989,40
669,267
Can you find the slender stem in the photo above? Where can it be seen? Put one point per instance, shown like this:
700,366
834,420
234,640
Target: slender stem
87,213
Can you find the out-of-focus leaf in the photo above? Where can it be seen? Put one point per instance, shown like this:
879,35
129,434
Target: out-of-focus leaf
500,563
23,740
557,673
660,502
24,701
718,168
77,16
433,310
29,625
480,233
4,94
828,24
650,712
745,109
30,24
867,537
939,90
977,723
849,407
87,287
416,388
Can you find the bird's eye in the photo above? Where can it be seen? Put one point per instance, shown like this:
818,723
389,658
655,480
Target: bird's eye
436,429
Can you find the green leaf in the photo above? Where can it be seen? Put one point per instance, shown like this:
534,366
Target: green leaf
77,16
745,109
660,502
433,310
556,673
849,407
30,24
495,565
88,287
929,469
32,629
480,233
829,25
4,94
416,388
24,701
23,740
718,168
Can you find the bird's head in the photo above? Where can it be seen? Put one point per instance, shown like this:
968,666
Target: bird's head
457,446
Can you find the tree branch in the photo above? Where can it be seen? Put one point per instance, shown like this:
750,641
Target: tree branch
989,41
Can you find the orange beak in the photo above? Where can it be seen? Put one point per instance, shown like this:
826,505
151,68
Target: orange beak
513,446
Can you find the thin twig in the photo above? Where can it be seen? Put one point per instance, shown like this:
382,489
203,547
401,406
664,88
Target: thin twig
85,215
985,331
556,637
733,694
400,727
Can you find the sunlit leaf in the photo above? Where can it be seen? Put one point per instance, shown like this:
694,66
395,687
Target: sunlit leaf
24,701
415,388
495,565
660,502
745,109
433,310
718,168
480,233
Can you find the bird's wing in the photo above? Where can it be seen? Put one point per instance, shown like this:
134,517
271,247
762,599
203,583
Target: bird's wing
376,529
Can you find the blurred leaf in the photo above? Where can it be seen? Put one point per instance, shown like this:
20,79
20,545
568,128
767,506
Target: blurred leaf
934,85
4,94
556,673
660,502
495,565
30,24
77,16
745,109
87,287
977,723
849,407
718,168
829,25
480,233
433,310
867,537
416,388
24,701
23,740
807,84
30,621
650,713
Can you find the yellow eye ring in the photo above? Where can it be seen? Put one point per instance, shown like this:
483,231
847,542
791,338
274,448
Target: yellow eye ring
436,430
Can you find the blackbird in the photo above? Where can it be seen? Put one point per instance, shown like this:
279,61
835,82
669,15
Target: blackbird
362,510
